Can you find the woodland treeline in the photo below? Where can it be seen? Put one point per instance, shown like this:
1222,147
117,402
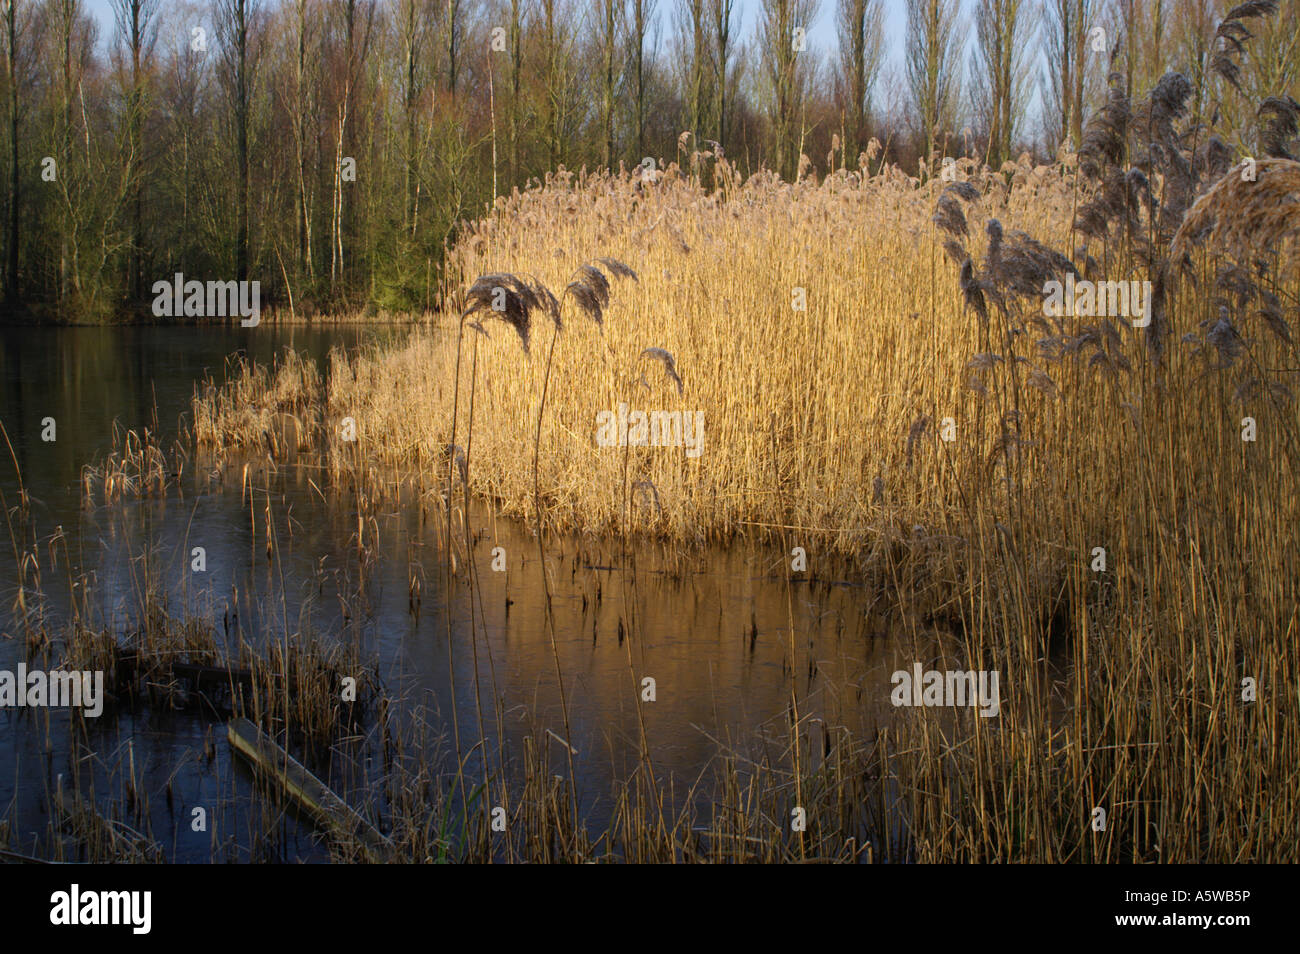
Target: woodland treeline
331,148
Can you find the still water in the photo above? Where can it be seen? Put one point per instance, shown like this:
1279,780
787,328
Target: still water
721,632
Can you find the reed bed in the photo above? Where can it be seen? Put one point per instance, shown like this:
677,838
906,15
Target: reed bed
136,467
828,423
256,409
292,684
880,384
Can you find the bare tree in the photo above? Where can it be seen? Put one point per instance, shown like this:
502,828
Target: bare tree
453,26
783,34
235,22
304,100
610,29
557,39
723,34
1269,68
931,74
693,55
516,80
1274,64
554,79
138,33
357,22
1066,26
14,34
860,31
72,38
1275,53
642,16
1194,40
998,73
413,28
186,108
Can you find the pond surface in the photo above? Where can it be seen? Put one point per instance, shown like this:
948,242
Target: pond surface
722,633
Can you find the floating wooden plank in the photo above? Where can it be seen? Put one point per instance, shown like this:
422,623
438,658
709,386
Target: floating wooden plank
304,788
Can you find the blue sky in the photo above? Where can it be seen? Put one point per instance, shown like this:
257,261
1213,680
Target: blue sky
822,33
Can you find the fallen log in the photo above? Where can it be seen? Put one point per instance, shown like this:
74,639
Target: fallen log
305,789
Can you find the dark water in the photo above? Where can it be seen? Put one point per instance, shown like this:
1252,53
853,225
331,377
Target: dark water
721,632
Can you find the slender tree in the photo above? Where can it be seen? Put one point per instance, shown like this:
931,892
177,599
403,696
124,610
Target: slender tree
783,33
236,33
557,37
930,67
15,29
453,25
72,40
860,33
516,82
723,33
998,72
138,33
643,12
610,28
693,55
1066,28
412,27
355,23
304,98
